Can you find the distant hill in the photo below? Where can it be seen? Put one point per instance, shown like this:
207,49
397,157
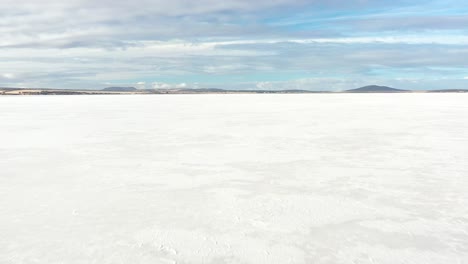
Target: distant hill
120,89
375,89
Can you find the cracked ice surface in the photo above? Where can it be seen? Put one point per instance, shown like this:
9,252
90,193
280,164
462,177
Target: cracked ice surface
322,178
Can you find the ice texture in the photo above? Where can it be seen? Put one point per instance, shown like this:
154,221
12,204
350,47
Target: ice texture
319,178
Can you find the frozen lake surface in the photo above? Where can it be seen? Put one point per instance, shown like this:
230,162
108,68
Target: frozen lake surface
348,178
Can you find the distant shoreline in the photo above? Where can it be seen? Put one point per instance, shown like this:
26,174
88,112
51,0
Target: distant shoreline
45,91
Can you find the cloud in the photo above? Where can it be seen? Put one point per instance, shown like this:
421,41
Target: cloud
224,63
161,85
140,85
265,86
7,76
418,22
232,43
117,24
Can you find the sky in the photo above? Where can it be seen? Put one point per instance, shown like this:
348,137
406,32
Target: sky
234,44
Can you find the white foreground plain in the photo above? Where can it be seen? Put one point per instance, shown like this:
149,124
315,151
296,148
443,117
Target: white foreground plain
320,178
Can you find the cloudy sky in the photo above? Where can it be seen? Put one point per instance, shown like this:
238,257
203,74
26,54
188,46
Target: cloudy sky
242,44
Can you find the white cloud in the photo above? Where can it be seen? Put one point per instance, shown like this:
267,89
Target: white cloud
161,85
84,44
265,85
7,76
140,85
397,39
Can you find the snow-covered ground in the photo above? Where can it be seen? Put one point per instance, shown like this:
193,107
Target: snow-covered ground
321,178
